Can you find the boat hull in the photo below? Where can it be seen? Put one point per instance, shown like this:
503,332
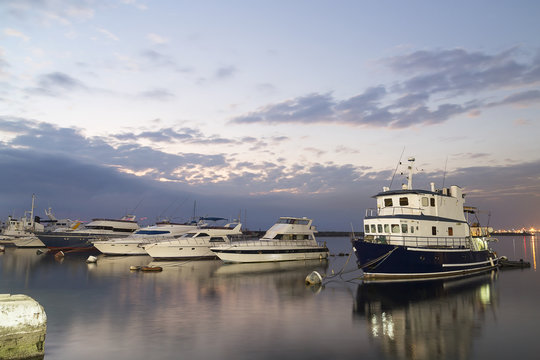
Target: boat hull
246,254
28,242
384,261
118,248
179,252
66,241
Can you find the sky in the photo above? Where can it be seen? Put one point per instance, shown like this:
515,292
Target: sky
261,109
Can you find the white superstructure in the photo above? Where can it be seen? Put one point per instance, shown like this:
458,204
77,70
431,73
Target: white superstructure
415,217
133,244
195,244
290,238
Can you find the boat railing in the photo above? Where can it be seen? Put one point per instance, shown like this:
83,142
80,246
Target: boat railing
392,211
264,242
191,241
422,241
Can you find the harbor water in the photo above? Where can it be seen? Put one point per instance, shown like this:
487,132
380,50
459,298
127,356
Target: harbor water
208,309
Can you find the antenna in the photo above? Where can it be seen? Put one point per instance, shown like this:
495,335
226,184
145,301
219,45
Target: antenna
140,201
399,162
444,174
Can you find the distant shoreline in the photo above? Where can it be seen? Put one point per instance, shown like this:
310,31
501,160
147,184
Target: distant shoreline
512,234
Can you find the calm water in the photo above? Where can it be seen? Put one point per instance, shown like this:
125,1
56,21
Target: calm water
206,309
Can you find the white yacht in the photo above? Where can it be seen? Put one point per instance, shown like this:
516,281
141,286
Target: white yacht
195,244
133,244
290,238
21,233
82,239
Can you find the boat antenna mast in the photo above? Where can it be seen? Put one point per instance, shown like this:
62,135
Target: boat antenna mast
444,174
410,170
395,170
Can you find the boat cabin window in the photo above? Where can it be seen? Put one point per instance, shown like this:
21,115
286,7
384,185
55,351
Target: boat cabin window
202,234
432,201
395,228
293,221
386,228
450,231
388,202
366,229
412,229
404,228
216,239
373,230
404,201
152,232
425,201
379,228
188,235
433,230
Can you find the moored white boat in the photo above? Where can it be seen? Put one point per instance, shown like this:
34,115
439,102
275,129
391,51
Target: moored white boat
290,238
82,239
21,232
417,233
134,243
195,244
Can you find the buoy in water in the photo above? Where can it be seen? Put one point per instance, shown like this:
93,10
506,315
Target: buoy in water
59,255
2,248
134,268
151,268
91,259
314,278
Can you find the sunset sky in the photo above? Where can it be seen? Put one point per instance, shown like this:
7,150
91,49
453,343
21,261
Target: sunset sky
266,108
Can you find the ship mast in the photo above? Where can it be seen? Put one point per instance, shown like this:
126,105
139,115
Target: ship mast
410,172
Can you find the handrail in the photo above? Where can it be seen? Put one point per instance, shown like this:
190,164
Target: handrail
394,210
421,241
277,243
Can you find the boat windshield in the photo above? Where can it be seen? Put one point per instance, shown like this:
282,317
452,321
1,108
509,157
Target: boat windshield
188,235
293,221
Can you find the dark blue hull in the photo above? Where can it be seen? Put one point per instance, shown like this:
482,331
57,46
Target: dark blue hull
72,241
383,261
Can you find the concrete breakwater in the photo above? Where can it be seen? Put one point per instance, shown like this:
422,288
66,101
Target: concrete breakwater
23,324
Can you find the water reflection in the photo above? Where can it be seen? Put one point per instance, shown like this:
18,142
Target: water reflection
427,320
533,250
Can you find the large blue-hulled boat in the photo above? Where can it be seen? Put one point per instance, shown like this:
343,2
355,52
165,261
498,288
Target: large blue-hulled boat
83,239
417,234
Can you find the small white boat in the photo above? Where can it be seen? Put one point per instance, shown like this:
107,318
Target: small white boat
134,244
196,243
21,233
290,238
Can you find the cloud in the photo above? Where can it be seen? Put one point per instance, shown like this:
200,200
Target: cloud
45,12
431,94
460,71
15,33
157,39
56,83
157,94
311,108
523,98
108,34
225,72
91,177
136,4
155,59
